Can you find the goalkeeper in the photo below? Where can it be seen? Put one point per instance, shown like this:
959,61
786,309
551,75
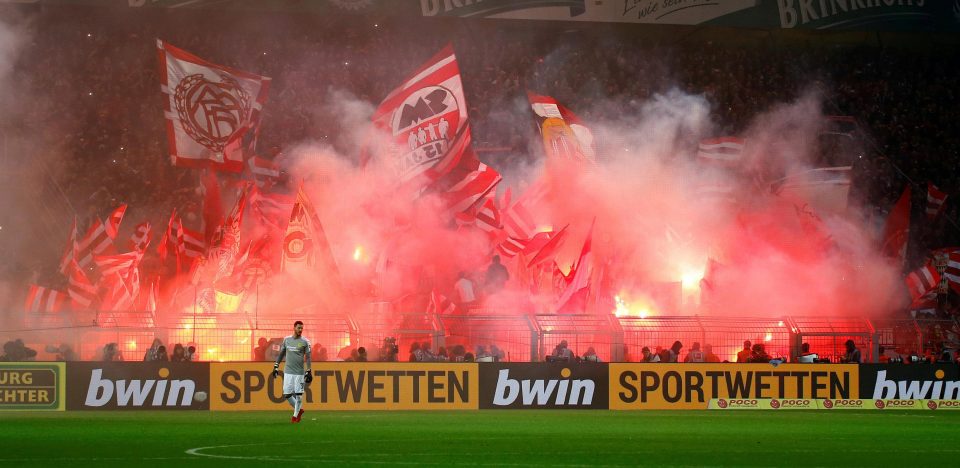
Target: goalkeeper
296,348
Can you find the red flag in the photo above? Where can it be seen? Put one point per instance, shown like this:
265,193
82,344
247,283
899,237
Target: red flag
548,250
935,201
166,240
519,220
921,281
952,271
488,217
94,242
896,232
581,273
41,299
425,119
722,151
70,252
440,304
113,221
117,293
473,187
305,246
511,246
81,290
111,264
564,135
212,111
212,206
190,243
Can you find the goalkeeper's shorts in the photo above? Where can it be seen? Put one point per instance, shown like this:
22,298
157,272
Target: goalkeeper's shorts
292,384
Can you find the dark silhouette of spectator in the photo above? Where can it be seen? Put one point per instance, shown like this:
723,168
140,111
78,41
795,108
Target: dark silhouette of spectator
562,352
695,354
111,352
468,357
260,352
151,354
318,353
759,354
162,354
673,354
852,355
746,353
179,353
708,355
16,351
496,277
415,354
591,355
361,354
648,356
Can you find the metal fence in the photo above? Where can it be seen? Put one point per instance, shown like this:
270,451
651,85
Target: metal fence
522,337
516,335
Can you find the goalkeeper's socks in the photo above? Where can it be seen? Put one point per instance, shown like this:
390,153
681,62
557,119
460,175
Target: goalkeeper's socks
293,403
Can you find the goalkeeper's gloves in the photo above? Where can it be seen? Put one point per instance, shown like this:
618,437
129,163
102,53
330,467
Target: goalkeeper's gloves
276,370
308,377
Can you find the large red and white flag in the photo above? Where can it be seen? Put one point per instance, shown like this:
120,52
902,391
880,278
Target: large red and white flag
305,246
271,209
117,292
94,242
935,201
41,299
922,281
548,251
113,221
896,232
169,237
212,111
722,151
581,273
425,121
565,137
81,290
70,251
225,248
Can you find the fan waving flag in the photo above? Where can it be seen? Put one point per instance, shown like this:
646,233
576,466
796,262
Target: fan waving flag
425,120
935,201
565,137
212,111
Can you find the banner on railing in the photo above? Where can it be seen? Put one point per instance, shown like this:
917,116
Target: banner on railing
138,385
544,385
693,386
32,386
239,386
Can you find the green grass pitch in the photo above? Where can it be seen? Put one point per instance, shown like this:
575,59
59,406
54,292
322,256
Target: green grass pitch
481,438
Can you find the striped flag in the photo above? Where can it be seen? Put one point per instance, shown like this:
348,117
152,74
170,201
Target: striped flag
519,220
440,304
166,240
921,281
935,201
81,290
723,151
112,264
952,271
896,232
113,221
41,299
262,170
511,246
473,187
190,243
94,242
70,252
